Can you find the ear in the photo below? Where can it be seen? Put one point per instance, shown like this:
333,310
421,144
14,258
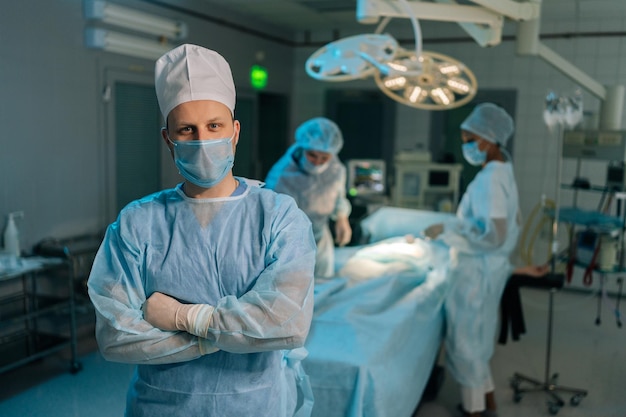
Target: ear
483,145
237,128
169,144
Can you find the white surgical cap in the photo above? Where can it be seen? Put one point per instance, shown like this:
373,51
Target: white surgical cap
490,122
320,134
191,72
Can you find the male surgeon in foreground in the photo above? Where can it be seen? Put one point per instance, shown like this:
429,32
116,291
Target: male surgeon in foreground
207,287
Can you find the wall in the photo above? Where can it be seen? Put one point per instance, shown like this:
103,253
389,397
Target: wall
53,156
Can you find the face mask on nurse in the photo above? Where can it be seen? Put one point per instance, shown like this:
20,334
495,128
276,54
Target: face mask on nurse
472,154
204,162
314,162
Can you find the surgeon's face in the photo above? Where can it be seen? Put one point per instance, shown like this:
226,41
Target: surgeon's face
317,157
201,120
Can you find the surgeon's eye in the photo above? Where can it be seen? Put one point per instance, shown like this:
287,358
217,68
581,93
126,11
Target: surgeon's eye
186,130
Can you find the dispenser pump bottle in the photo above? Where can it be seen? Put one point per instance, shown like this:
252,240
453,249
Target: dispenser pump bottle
12,235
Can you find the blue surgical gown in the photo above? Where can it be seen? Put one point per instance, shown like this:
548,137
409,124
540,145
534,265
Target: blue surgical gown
321,196
251,255
482,238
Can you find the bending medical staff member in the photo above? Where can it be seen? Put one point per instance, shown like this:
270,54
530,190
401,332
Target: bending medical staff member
481,238
311,172
207,286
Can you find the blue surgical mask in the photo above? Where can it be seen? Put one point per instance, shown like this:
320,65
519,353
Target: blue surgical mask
310,168
204,162
473,155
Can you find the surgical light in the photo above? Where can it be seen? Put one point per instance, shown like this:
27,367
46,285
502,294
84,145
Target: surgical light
135,20
395,83
351,58
442,95
449,69
398,67
440,83
416,78
416,94
459,85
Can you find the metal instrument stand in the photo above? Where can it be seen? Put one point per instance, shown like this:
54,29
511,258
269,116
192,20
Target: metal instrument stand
621,212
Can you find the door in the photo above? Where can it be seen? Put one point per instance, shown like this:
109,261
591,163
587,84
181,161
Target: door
245,160
137,152
366,119
367,122
134,151
273,130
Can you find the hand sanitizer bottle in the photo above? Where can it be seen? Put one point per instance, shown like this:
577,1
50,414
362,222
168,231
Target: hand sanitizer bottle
12,235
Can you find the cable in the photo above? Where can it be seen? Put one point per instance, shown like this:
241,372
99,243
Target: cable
588,274
417,31
526,242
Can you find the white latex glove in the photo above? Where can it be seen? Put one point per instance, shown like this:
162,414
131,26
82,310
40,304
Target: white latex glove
165,313
343,231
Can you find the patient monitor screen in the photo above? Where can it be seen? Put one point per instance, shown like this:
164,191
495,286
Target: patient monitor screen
366,177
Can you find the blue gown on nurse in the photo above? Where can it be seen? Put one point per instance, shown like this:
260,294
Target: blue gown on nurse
319,191
482,239
184,247
480,267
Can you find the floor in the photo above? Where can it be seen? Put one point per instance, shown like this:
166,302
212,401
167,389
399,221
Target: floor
585,355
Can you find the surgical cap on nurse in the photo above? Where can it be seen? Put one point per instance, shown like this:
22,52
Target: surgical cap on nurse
490,122
320,134
191,72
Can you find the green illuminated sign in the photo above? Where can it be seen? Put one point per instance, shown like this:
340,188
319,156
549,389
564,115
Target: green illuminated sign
258,77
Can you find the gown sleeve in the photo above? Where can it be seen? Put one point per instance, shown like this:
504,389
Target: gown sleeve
343,208
482,220
276,312
117,293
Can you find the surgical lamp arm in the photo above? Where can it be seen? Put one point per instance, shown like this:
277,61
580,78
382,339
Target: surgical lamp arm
512,9
528,43
484,22
612,98
368,11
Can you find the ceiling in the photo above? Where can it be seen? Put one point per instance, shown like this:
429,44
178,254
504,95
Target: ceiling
294,15
318,15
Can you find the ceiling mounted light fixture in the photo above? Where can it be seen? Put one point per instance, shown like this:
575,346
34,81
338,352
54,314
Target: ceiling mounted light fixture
342,60
121,43
416,78
133,19
441,83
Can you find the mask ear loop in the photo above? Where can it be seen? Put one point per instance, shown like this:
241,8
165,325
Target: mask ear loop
167,135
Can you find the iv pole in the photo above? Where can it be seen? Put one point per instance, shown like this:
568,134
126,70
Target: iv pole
612,103
549,384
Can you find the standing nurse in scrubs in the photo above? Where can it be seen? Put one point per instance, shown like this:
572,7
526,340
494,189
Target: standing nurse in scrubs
481,238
